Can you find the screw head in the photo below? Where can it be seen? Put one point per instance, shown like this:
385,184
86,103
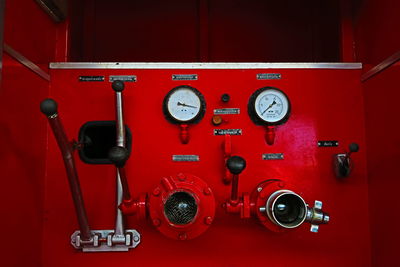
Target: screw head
207,191
136,238
208,220
182,236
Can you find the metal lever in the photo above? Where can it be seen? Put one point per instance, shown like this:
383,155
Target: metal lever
49,108
343,163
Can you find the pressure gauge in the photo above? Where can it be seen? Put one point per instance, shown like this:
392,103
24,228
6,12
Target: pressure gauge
269,106
184,104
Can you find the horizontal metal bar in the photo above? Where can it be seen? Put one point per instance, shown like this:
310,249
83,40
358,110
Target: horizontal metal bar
381,66
26,62
219,65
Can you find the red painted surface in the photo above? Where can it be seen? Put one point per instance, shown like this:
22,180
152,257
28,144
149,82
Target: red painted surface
383,158
321,101
22,158
205,30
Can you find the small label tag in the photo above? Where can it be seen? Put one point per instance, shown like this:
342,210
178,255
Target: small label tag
185,158
184,77
226,111
91,78
228,131
124,78
269,76
328,143
272,156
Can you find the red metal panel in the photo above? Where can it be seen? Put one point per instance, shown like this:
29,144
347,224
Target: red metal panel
383,158
22,159
326,105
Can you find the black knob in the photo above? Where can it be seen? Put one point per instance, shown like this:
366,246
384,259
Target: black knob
48,107
354,147
225,98
118,155
236,164
118,86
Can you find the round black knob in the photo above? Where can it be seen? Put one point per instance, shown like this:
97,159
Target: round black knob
354,147
48,107
118,155
236,164
225,98
118,86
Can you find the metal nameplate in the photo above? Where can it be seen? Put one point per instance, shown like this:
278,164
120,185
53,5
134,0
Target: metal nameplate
272,156
91,78
227,131
227,111
269,76
328,143
185,158
124,78
184,77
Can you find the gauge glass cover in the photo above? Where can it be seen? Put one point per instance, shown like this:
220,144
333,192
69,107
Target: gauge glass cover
272,105
183,104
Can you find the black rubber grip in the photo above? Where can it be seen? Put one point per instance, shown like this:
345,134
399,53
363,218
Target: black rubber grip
236,164
48,107
118,86
118,155
354,147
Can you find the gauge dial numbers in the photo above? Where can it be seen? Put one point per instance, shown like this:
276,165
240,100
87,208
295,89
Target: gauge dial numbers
184,104
269,106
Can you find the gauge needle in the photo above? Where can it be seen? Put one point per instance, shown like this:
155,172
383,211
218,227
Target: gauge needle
270,106
185,105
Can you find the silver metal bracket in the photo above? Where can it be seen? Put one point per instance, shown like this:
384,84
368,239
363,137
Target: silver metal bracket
105,240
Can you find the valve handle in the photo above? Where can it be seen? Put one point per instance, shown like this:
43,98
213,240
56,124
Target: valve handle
118,86
48,107
354,147
236,164
118,155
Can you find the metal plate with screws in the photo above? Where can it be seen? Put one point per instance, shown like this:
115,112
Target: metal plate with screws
227,111
272,156
189,158
228,131
124,78
328,143
184,77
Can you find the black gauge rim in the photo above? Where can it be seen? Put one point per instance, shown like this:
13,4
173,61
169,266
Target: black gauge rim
197,118
252,109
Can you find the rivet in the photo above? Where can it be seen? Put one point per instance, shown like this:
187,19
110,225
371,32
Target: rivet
259,189
136,238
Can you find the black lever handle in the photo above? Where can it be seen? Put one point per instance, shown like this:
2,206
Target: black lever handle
118,155
48,107
236,164
118,86
354,147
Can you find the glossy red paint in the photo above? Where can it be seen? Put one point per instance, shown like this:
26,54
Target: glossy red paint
321,100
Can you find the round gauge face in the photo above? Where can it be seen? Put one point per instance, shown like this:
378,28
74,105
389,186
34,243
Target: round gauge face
269,106
184,104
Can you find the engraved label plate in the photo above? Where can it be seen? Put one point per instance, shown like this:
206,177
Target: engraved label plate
184,77
272,156
91,78
269,76
228,131
226,111
124,78
329,143
185,158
